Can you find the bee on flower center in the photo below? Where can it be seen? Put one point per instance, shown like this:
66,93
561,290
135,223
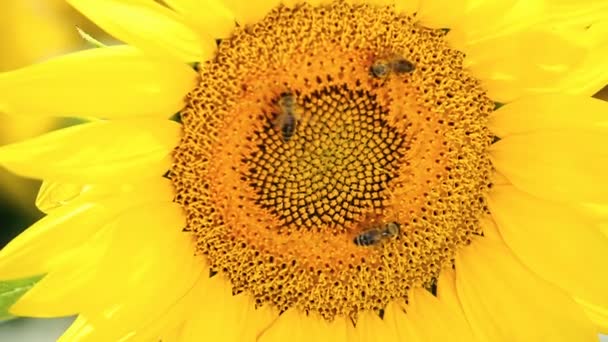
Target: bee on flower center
289,115
377,234
393,63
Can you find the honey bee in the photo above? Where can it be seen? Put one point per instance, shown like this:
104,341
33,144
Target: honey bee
384,66
377,234
287,120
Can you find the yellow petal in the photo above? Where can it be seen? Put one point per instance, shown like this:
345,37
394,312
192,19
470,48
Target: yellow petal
504,301
603,228
15,128
407,7
111,82
575,27
574,252
78,331
597,314
250,12
590,76
574,14
513,17
53,195
291,3
448,296
49,240
370,328
440,13
210,17
588,27
166,270
105,151
225,317
565,165
528,66
148,26
500,179
548,112
485,15
304,328
426,313
373,2
490,230
396,318
184,323
60,293
48,243
598,212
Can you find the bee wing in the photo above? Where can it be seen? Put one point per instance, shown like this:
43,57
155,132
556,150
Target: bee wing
279,121
386,233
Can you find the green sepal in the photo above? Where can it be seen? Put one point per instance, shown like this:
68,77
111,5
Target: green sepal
11,291
89,39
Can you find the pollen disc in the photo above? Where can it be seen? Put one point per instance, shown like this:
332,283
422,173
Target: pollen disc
279,215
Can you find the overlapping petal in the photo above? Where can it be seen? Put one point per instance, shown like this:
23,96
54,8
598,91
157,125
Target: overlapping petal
211,18
304,328
440,13
573,253
484,20
427,312
116,152
148,26
396,318
591,75
53,195
535,46
49,243
504,301
549,112
145,275
370,327
512,66
112,82
407,7
249,12
226,317
597,314
561,165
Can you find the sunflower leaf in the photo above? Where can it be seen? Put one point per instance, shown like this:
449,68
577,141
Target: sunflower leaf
11,291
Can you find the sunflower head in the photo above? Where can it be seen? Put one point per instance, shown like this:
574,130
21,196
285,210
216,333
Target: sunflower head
339,171
375,141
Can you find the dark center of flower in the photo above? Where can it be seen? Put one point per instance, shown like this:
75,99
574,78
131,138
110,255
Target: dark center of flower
333,158
336,167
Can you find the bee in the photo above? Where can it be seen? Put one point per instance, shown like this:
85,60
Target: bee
383,67
377,234
287,120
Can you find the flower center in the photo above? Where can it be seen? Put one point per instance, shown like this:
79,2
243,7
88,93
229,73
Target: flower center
333,158
336,167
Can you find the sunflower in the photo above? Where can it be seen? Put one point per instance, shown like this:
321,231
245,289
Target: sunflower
334,171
